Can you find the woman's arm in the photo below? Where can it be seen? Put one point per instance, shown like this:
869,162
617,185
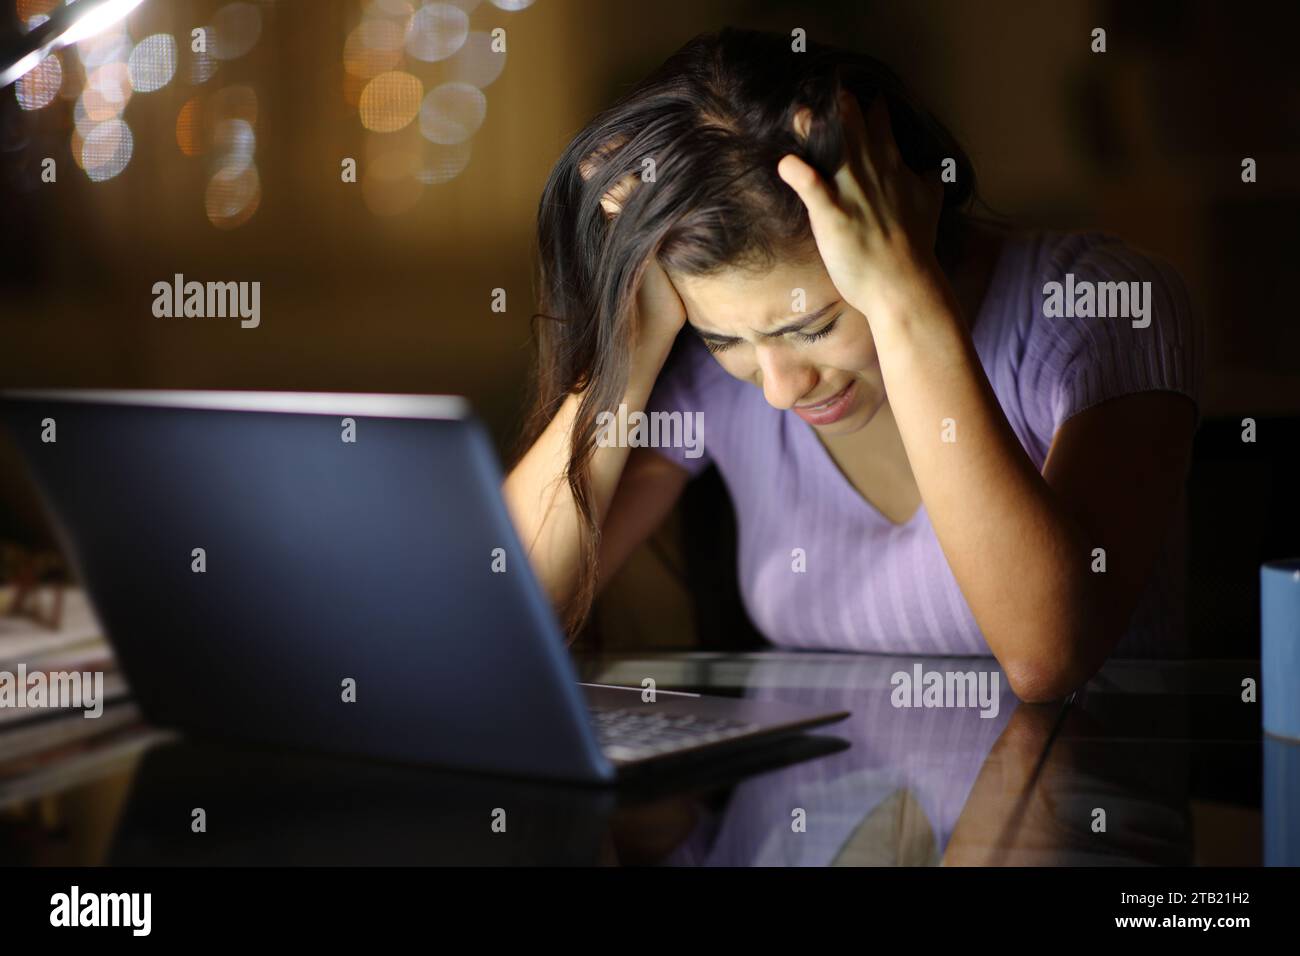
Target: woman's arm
631,493
1019,543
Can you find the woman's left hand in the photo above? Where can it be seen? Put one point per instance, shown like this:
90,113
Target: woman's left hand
876,228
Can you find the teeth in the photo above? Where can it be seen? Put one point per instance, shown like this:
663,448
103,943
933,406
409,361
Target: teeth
826,404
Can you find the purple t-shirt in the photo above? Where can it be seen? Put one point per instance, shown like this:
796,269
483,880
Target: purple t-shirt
871,585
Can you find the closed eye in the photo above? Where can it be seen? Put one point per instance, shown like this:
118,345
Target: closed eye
717,344
821,333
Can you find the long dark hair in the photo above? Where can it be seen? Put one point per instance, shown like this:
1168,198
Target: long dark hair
716,117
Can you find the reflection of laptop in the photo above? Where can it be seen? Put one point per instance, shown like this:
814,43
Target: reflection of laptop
338,572
363,812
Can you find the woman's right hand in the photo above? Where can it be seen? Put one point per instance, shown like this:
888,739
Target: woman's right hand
660,315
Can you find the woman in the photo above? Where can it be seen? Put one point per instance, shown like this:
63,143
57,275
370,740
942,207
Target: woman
962,440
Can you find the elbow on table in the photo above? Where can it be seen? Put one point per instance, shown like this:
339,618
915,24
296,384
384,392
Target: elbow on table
1063,652
1044,678
1034,683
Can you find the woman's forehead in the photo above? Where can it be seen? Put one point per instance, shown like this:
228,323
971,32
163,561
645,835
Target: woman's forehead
738,299
734,286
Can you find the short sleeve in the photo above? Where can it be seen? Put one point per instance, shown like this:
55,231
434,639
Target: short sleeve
1109,321
678,391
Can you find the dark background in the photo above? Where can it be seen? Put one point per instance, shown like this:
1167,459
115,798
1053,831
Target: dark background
386,284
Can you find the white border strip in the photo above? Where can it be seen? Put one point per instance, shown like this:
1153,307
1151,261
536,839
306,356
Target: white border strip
363,404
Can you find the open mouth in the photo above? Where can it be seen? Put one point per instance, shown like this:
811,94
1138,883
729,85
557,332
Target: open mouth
828,411
834,398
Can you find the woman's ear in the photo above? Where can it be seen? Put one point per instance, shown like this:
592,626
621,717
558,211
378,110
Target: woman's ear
612,201
802,122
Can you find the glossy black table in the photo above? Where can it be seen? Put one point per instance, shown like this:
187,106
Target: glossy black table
1153,763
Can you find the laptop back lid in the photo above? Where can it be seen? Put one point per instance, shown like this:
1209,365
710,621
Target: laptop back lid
331,571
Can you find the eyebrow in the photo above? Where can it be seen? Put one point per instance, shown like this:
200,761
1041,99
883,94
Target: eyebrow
802,323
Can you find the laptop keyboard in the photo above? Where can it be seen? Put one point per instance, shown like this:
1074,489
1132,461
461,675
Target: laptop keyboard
634,734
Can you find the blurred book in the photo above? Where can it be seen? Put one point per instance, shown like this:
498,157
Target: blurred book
62,767
28,641
44,749
22,741
114,689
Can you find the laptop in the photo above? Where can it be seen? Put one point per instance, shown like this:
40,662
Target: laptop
338,572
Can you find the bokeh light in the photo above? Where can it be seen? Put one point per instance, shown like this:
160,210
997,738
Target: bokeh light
352,87
189,132
234,141
384,58
232,197
80,118
436,32
401,9
111,46
512,5
390,101
389,185
74,77
107,90
452,113
78,141
203,66
224,127
27,9
234,31
106,150
39,87
443,162
476,63
101,70
373,47
152,63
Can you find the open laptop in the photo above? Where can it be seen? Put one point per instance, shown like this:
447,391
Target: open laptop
338,572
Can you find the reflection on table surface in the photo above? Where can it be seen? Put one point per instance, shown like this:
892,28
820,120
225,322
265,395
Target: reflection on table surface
1154,763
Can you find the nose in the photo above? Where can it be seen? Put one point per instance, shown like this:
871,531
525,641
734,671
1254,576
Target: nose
786,377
